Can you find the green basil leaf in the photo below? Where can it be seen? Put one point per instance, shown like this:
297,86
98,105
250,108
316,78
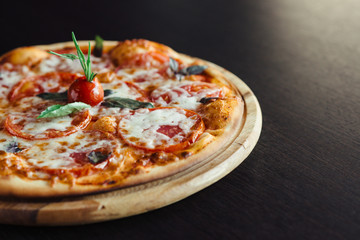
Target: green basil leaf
179,74
60,96
65,55
206,100
13,147
193,70
117,102
98,157
108,92
174,66
98,49
62,110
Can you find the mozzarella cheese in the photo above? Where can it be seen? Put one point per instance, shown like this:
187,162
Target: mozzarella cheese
38,127
143,126
143,78
122,90
55,63
9,77
179,97
57,153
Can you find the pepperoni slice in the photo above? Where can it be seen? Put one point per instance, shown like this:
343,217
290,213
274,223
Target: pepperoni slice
28,127
49,82
185,95
161,129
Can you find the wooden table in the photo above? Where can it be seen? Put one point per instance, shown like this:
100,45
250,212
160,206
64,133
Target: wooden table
302,61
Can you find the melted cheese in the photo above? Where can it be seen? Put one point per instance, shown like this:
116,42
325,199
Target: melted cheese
40,126
102,111
55,63
57,153
180,97
122,90
142,77
144,126
9,77
6,139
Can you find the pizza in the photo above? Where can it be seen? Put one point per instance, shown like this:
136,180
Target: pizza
77,119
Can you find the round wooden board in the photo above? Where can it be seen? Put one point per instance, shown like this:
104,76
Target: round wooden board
130,201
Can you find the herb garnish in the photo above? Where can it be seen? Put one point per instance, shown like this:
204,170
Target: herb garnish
108,92
98,49
179,74
13,147
98,157
206,100
85,64
62,110
60,96
118,102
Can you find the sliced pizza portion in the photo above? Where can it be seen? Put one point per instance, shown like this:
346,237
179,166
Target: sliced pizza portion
161,129
186,94
28,126
53,82
66,158
92,148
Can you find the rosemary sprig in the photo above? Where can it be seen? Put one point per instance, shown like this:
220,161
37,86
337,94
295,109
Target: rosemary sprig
85,63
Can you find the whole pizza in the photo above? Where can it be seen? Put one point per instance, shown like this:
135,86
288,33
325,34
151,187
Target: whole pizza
79,119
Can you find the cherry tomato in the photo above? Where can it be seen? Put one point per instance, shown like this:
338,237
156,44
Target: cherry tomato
81,90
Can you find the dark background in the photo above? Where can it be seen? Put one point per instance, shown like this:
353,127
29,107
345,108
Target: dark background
302,61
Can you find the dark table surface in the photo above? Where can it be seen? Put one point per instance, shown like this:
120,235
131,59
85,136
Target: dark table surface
302,61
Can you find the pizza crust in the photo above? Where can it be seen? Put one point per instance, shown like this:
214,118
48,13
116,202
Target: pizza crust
210,144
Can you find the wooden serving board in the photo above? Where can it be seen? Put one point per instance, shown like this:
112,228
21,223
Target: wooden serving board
130,201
